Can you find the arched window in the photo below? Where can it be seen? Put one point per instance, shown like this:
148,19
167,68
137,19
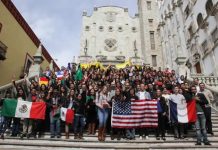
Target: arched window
209,6
200,20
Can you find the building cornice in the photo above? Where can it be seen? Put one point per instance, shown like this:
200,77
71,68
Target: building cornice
19,18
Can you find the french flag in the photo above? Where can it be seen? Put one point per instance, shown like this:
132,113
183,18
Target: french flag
183,112
60,75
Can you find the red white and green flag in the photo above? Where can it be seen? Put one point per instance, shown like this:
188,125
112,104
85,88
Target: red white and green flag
67,115
23,109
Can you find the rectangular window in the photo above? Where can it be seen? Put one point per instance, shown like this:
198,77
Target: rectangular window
152,40
149,5
150,22
154,60
204,46
187,11
215,35
190,30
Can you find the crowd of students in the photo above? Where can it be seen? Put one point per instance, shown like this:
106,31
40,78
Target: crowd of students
91,99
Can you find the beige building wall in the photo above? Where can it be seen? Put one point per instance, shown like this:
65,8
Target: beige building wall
18,43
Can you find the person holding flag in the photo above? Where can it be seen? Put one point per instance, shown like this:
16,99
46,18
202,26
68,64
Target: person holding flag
178,125
67,111
79,74
200,124
143,95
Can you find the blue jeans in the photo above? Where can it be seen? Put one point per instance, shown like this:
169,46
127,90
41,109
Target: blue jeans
15,126
130,133
79,123
102,117
54,125
201,128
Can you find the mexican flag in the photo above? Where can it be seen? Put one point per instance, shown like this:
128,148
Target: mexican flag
67,115
23,109
79,74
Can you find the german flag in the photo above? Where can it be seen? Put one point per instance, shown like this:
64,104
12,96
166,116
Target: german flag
43,80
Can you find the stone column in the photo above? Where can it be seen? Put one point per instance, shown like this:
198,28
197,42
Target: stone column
35,69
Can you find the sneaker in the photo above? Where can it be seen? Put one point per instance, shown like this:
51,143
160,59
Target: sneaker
198,143
52,136
2,136
146,137
58,136
28,136
176,137
164,138
22,136
76,136
207,143
157,138
140,138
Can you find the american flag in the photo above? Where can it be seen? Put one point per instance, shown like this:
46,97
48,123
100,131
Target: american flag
134,114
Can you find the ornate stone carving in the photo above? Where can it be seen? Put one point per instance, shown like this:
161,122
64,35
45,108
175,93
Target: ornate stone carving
110,45
111,16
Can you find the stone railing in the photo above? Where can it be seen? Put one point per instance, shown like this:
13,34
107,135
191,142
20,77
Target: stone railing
209,80
9,87
211,83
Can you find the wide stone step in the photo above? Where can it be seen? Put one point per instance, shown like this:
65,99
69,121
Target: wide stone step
108,139
145,144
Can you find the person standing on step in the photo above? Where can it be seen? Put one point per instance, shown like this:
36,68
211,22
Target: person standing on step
103,109
143,95
209,96
55,104
162,112
200,124
178,99
130,133
91,111
69,104
79,120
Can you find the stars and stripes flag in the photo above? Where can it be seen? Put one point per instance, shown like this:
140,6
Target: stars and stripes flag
135,114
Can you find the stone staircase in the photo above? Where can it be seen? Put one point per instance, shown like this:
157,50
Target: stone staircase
91,142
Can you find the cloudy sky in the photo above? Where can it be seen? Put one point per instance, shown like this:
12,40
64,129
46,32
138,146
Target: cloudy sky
57,23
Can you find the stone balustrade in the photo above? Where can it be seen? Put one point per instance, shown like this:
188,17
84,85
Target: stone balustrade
209,80
9,87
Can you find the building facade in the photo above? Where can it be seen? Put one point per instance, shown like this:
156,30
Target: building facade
111,36
189,35
18,44
150,40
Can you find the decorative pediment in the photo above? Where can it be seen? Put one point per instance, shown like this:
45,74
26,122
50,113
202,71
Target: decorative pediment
111,16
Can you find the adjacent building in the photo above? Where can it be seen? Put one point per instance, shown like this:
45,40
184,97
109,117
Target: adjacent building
18,43
189,35
149,35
